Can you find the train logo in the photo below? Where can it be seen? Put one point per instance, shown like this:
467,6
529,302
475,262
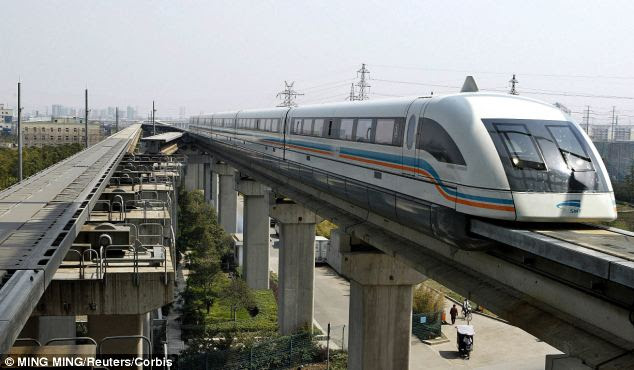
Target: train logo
573,206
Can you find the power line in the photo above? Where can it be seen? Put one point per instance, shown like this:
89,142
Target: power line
506,73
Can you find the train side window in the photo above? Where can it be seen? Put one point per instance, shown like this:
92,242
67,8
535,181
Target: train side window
384,133
435,140
363,132
275,125
345,129
307,128
297,127
318,127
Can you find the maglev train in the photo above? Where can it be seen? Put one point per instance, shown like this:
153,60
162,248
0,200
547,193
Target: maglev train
421,159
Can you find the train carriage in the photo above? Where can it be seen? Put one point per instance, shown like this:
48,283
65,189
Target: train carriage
426,160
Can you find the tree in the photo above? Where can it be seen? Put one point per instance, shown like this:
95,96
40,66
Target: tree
238,294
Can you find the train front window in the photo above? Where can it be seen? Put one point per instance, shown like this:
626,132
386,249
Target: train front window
570,147
521,146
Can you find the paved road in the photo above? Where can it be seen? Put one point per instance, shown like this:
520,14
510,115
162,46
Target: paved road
497,345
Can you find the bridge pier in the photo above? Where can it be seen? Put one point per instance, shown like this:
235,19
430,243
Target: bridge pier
101,326
212,187
195,172
256,233
227,197
297,266
380,318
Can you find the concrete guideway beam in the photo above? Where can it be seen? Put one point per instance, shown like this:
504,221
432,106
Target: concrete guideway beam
297,266
227,198
381,290
256,233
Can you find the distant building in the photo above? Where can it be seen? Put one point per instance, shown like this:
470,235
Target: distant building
130,113
58,131
6,119
611,133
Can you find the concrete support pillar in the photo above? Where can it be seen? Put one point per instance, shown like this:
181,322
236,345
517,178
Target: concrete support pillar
380,320
190,176
207,181
200,176
213,187
45,328
297,266
255,233
228,197
101,326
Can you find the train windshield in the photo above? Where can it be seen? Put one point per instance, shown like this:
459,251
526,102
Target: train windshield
540,155
520,145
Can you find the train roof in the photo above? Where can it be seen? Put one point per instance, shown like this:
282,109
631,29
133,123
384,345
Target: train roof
393,107
276,112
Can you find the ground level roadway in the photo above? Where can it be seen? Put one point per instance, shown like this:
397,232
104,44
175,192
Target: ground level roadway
497,344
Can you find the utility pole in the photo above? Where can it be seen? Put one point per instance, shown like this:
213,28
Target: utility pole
86,119
588,119
513,82
153,123
352,97
613,123
362,85
288,95
116,119
19,133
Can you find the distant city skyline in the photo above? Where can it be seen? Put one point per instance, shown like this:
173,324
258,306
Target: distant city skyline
216,56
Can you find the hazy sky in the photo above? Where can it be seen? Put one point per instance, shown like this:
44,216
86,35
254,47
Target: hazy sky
221,55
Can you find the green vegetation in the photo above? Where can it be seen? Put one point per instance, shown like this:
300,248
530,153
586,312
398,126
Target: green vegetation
226,324
324,228
624,190
625,218
427,300
34,160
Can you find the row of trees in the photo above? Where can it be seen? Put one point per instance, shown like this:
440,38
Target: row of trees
33,160
624,190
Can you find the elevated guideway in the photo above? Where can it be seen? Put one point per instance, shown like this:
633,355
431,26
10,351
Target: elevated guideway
39,219
569,289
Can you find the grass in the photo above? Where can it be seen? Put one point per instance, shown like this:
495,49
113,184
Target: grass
219,317
625,218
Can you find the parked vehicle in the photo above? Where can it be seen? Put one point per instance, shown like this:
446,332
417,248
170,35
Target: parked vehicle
465,340
321,249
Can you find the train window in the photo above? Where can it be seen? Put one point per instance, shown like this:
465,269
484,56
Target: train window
267,125
345,129
274,125
570,148
297,127
520,146
385,131
436,141
364,130
318,127
307,128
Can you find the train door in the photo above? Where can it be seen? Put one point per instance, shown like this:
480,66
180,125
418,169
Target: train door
410,152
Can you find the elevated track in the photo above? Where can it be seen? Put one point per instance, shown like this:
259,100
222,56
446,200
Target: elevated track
39,219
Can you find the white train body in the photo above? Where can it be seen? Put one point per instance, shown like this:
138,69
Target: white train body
488,155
